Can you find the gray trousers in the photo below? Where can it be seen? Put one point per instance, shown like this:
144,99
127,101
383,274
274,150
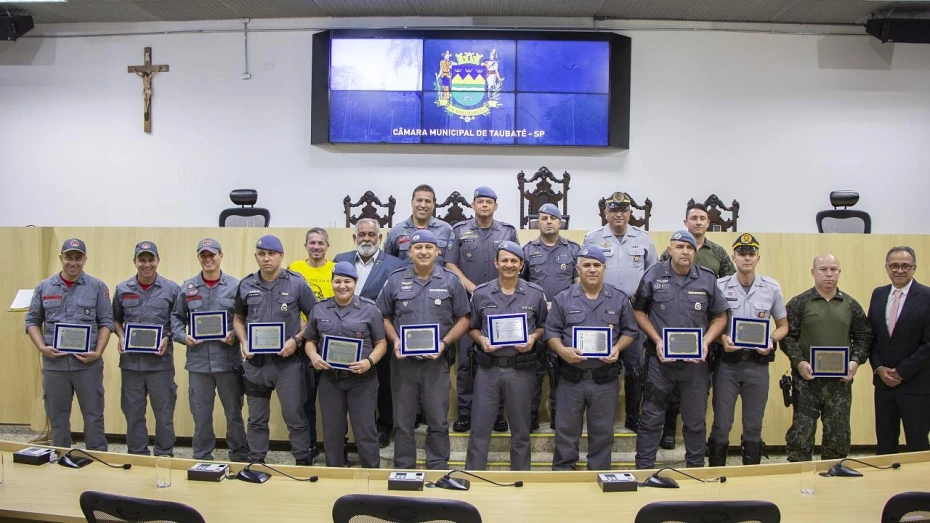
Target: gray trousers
574,399
750,380
516,388
287,378
357,397
201,392
693,381
60,387
464,381
426,381
162,391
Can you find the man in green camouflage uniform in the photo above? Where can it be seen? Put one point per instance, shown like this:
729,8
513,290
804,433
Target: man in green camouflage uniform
713,257
823,316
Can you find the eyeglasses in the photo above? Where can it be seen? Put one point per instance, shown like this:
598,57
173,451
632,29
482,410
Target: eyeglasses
900,267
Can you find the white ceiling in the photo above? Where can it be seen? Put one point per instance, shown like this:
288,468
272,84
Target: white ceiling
765,11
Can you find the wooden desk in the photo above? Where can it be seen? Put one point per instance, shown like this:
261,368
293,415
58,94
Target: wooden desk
51,492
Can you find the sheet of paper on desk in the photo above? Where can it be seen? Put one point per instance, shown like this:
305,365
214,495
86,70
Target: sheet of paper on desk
22,300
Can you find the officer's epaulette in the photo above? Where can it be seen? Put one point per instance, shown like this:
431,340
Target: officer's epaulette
769,279
481,286
366,300
533,286
402,269
570,242
505,225
705,269
638,229
462,223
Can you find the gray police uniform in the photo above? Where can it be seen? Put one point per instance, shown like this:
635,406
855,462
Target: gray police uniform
405,299
211,367
473,250
591,385
628,258
397,241
674,301
342,392
87,302
148,374
745,373
504,373
279,301
553,269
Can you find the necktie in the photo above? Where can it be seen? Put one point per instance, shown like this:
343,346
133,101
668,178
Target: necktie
893,317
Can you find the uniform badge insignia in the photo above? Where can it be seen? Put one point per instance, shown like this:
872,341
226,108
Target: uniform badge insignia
563,266
192,292
284,307
437,301
358,334
761,315
468,255
636,259
405,303
662,306
190,285
697,306
87,312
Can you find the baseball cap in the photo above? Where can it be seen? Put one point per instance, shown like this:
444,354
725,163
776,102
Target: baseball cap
209,244
74,244
146,246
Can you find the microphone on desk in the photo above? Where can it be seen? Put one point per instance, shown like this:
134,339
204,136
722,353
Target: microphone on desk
256,476
450,483
659,482
841,470
75,462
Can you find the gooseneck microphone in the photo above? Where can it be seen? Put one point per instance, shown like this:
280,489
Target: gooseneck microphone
448,482
256,476
841,470
74,462
660,482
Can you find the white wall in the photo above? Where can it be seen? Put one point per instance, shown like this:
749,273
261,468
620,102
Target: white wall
774,121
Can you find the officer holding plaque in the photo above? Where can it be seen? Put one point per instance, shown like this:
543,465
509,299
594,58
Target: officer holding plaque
202,320
507,318
828,339
267,322
681,311
748,346
345,340
70,315
425,309
588,326
142,308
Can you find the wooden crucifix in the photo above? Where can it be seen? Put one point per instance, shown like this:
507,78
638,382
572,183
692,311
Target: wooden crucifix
146,72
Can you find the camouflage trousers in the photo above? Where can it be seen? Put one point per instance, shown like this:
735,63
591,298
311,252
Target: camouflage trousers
830,400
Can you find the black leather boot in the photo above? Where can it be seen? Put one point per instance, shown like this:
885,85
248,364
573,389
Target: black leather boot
633,399
671,428
752,452
717,453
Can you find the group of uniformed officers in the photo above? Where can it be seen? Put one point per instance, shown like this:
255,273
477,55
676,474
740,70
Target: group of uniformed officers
455,277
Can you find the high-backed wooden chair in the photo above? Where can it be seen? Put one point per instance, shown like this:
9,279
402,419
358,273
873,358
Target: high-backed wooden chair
714,215
454,207
531,201
642,222
372,208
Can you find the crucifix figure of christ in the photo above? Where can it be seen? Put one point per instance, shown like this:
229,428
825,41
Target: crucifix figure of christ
146,72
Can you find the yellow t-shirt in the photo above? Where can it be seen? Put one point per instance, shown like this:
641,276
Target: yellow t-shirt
320,279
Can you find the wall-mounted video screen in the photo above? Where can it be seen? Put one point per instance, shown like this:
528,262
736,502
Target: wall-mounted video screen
474,88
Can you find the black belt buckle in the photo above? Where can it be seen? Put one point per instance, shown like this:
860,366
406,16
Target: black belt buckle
341,374
504,363
587,374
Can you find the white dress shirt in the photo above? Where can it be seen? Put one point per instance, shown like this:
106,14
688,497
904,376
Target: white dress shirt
364,270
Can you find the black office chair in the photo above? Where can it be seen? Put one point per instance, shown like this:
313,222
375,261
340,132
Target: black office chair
105,507
907,506
703,511
844,220
365,508
243,216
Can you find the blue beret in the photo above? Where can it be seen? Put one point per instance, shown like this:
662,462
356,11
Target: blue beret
594,253
345,268
423,236
511,247
485,192
551,210
269,242
684,236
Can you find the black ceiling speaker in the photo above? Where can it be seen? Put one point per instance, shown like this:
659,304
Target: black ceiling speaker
900,30
14,26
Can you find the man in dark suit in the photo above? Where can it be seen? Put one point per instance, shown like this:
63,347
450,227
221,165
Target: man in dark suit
900,317
374,266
